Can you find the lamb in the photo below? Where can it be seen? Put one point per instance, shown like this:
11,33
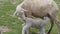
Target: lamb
36,23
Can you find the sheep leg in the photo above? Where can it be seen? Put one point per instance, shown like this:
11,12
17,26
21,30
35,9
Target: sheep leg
42,30
25,29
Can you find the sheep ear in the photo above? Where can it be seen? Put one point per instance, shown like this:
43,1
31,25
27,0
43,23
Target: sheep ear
24,9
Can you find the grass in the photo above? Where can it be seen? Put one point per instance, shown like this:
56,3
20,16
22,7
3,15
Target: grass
13,23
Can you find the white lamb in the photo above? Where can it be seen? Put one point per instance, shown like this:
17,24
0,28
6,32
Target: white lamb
37,23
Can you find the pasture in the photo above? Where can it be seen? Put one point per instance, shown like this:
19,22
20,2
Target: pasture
7,8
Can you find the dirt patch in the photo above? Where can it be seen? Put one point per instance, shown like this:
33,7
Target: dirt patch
4,29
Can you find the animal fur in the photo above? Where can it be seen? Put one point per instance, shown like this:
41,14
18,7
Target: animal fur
39,8
36,23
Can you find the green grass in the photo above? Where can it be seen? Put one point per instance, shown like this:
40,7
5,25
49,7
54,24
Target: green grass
7,9
7,20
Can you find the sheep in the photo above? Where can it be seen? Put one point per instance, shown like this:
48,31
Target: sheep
38,9
36,23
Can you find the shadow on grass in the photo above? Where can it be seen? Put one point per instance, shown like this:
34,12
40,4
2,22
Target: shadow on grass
34,33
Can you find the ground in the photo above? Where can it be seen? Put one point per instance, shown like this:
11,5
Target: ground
13,23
